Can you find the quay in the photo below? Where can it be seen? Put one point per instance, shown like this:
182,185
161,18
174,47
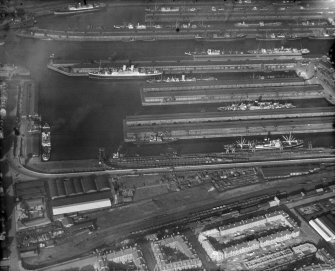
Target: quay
184,118
238,128
232,93
166,34
185,66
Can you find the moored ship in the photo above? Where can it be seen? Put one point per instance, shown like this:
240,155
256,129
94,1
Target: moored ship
260,52
225,37
256,105
124,73
46,142
287,142
272,36
322,36
80,8
244,24
183,79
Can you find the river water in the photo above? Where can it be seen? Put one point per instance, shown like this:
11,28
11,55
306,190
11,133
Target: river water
85,114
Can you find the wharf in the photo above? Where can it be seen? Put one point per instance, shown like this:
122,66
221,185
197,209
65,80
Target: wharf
217,158
185,66
233,93
184,118
238,128
164,34
226,84
230,16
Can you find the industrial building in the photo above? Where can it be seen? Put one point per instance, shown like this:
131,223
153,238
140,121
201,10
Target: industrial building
80,194
325,227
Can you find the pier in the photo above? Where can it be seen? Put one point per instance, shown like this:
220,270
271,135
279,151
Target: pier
187,66
230,93
237,128
185,118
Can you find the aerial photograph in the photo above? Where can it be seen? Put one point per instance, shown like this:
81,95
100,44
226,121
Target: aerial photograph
167,135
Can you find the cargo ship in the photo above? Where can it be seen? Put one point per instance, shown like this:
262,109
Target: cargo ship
259,52
163,9
181,80
124,73
287,142
271,37
256,105
46,142
80,8
322,36
225,37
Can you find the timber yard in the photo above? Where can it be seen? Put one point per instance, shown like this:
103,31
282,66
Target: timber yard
167,135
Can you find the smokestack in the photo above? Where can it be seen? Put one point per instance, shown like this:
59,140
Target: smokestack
85,2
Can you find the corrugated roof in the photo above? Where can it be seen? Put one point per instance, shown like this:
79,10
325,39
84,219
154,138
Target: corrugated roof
77,199
78,186
53,188
88,184
102,182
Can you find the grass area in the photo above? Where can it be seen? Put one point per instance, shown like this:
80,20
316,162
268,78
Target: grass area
140,181
150,191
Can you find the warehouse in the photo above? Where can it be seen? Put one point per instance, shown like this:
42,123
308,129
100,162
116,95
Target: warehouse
81,203
320,231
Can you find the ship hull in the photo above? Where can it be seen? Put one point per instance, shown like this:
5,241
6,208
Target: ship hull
273,39
70,12
225,39
130,77
321,38
285,147
154,142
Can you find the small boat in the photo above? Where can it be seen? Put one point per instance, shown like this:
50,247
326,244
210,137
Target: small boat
80,8
46,142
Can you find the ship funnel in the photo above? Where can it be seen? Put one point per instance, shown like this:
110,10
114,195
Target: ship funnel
183,77
124,67
132,67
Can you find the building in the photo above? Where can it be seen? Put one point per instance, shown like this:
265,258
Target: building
320,231
80,194
131,254
243,225
278,237
82,203
265,260
241,248
178,243
31,209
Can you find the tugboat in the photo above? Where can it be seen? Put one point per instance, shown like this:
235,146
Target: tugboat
46,142
80,8
124,73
